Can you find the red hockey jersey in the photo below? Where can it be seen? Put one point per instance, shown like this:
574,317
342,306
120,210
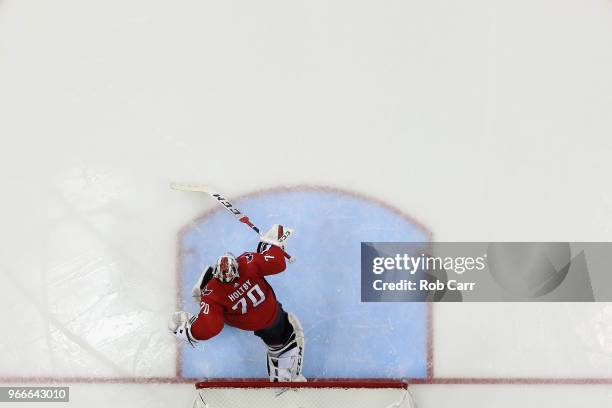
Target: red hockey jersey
247,303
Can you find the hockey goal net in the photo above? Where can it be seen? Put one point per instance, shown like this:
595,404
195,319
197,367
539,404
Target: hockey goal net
313,394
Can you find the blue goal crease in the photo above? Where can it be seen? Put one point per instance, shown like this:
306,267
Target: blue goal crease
344,337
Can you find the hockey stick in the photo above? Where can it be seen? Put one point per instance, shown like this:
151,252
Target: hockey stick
225,204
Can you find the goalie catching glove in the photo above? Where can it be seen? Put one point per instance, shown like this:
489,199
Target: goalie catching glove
180,325
277,236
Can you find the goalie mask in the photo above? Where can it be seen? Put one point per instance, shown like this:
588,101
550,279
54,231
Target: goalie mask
226,269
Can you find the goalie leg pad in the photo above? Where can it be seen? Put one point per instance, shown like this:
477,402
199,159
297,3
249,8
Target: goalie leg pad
285,361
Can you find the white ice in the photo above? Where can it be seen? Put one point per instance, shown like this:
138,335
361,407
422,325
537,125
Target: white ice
484,120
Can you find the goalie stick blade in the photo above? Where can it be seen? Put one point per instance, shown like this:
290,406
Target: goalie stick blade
200,188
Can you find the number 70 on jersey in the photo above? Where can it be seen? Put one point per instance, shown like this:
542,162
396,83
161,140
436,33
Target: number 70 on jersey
255,295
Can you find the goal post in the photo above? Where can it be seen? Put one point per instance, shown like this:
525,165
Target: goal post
313,394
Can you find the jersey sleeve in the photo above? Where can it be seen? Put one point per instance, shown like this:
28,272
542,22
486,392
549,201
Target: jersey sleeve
270,262
209,322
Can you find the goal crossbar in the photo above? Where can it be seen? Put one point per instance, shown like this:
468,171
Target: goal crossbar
318,383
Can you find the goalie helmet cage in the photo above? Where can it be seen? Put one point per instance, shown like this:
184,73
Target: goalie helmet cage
372,393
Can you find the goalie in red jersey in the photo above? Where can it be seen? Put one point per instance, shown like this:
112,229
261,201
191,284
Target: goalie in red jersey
235,292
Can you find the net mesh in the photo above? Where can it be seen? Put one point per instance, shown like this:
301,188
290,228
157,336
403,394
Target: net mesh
303,396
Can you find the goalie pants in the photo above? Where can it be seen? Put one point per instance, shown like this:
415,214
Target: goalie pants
279,332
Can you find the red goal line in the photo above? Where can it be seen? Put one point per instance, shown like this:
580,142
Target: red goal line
312,383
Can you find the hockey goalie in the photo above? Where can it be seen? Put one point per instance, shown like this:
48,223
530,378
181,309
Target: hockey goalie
235,292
